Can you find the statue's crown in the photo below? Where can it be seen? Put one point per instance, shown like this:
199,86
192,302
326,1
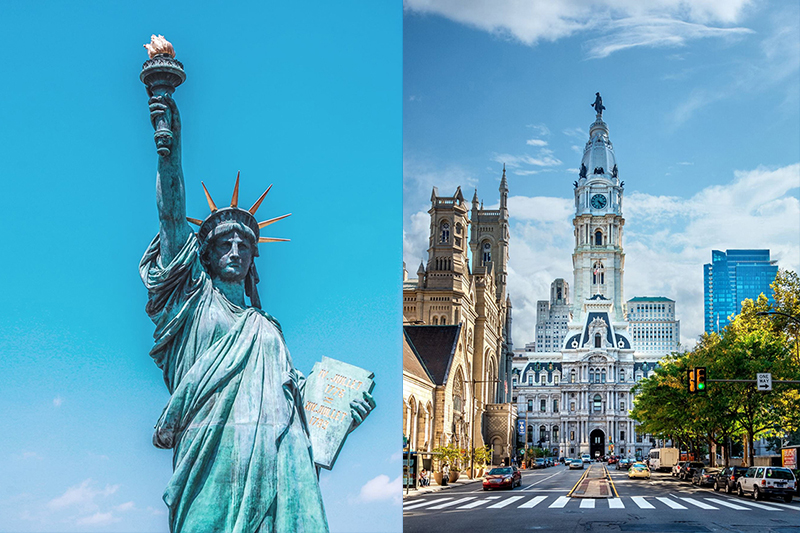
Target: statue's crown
235,214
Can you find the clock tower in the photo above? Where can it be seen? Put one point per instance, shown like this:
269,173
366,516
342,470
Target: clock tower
598,260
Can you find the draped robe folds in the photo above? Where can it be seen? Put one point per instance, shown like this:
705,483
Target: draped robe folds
242,455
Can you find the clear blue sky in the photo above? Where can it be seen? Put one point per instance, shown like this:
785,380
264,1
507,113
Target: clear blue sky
703,107
305,95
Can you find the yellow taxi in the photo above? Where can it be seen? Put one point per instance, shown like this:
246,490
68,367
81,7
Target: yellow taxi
639,470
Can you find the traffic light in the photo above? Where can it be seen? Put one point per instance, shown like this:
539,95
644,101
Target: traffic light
700,378
692,382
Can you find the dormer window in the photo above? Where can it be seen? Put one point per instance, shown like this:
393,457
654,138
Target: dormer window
598,341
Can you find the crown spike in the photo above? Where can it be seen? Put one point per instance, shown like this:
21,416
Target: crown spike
271,239
235,198
195,221
270,221
211,203
258,202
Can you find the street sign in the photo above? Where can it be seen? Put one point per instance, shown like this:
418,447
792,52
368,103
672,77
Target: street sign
764,382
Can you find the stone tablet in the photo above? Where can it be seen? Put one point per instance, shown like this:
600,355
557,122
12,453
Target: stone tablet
329,390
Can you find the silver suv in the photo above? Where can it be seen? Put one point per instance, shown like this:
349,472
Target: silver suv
763,481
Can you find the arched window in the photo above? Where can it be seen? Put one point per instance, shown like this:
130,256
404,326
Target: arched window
603,377
435,321
445,233
598,274
598,341
555,433
598,403
443,321
591,375
458,393
487,252
572,376
458,228
542,433
598,238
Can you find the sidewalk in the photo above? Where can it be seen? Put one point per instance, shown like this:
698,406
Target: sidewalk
462,480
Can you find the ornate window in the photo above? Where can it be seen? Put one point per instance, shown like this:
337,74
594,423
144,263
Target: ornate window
458,393
591,375
445,233
603,377
555,433
598,274
621,435
598,341
598,403
543,406
598,238
458,228
542,433
487,252
572,376
530,405
435,321
555,406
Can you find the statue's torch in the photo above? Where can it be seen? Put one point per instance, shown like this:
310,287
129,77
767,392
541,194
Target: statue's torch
162,73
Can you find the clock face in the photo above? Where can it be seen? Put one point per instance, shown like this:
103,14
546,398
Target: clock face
598,201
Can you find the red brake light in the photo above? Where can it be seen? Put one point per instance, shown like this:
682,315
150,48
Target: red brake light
733,478
763,481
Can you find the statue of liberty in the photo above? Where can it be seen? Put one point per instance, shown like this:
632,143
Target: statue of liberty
243,461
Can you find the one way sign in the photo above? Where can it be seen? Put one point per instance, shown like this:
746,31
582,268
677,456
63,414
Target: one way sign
764,382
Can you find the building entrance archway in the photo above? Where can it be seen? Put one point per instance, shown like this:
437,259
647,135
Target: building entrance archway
597,443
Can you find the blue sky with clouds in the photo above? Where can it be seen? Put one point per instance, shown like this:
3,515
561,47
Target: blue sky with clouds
305,95
703,107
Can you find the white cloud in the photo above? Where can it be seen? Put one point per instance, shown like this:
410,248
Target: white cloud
667,241
541,129
536,142
578,133
381,488
415,240
81,496
396,456
545,159
124,507
619,24
97,519
57,401
156,512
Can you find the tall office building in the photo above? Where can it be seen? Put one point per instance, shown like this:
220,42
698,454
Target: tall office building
654,329
552,318
731,277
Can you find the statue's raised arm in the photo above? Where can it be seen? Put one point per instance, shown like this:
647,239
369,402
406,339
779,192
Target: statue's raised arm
161,74
170,189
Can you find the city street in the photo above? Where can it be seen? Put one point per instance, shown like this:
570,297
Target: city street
662,504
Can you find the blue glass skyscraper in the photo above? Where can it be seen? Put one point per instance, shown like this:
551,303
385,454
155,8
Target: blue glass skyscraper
731,277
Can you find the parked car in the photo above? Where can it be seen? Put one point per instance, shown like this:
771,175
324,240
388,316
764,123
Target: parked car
688,468
548,461
677,468
639,470
576,464
613,460
796,473
503,477
539,463
765,481
726,479
705,476
623,464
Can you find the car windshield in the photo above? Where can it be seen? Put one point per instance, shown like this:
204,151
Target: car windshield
639,467
499,471
774,473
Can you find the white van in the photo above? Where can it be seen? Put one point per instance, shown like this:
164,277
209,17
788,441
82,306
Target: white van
763,481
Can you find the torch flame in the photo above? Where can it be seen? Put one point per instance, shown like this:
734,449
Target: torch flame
159,45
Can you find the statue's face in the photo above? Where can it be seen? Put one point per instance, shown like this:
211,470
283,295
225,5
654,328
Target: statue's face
230,256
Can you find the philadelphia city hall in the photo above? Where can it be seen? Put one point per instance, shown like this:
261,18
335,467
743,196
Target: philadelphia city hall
575,397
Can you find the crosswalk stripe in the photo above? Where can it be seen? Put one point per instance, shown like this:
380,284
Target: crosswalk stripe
533,502
507,501
587,503
615,503
669,501
727,504
474,504
759,505
559,503
448,504
641,502
699,504
423,504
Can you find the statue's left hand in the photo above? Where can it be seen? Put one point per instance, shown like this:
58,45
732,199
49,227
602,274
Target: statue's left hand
359,409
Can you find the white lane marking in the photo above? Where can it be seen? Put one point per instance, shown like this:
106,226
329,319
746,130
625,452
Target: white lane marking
587,503
448,504
474,504
792,507
641,502
670,502
726,504
423,504
507,501
559,503
533,502
759,505
541,480
615,503
699,504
